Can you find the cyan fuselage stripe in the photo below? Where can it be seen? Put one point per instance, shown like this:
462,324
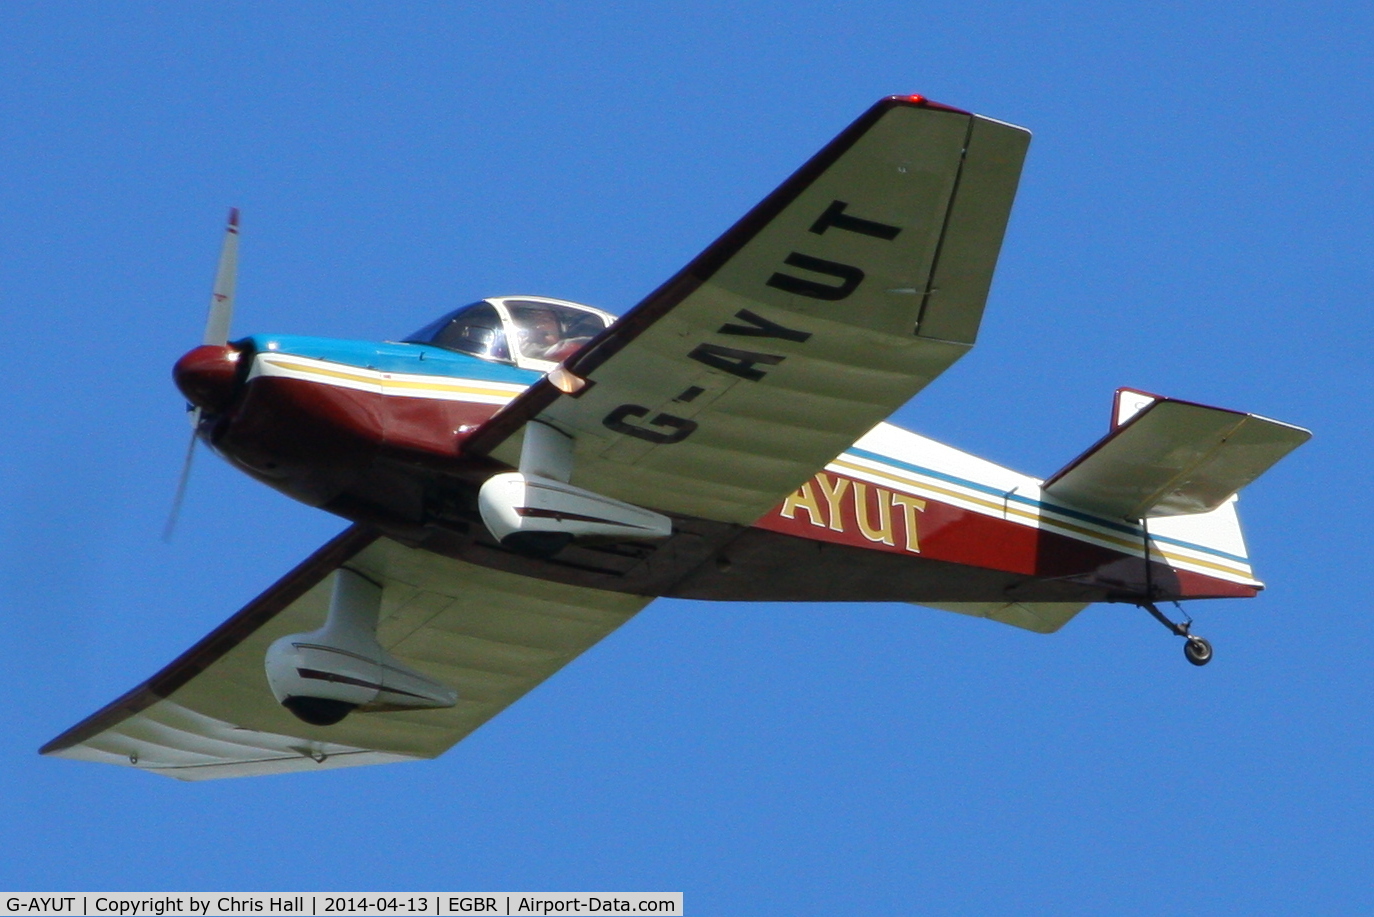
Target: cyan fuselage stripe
395,357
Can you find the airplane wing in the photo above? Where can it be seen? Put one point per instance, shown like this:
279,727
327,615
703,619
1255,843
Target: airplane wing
828,306
491,635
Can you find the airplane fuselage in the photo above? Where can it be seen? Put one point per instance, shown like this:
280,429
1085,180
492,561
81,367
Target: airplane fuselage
375,432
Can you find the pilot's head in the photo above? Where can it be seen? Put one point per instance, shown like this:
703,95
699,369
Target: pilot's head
540,327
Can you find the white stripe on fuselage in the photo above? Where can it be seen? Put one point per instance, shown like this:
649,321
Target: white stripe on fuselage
958,479
398,385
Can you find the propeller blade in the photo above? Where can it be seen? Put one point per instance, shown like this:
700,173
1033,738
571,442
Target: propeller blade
172,516
222,300
216,333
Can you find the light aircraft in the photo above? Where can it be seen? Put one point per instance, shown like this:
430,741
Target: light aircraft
525,474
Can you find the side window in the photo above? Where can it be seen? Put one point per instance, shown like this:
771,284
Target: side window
474,329
550,332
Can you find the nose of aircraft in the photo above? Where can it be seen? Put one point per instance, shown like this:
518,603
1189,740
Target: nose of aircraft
208,376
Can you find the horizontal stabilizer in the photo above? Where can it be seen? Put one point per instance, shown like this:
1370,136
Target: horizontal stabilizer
1173,458
1041,617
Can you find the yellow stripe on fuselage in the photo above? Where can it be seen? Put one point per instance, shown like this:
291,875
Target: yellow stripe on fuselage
396,384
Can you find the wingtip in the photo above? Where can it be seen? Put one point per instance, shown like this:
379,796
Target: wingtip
916,98
54,745
234,218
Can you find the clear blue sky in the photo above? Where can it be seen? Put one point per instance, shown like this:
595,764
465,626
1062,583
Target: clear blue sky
1194,219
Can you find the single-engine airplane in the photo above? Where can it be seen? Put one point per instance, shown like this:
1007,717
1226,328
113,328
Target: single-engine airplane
525,474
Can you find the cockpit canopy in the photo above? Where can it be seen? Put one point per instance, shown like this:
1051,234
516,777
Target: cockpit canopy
528,331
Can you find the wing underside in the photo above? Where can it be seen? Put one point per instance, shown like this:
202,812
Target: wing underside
491,635
833,302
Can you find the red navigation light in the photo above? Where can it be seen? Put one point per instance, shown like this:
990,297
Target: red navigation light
917,99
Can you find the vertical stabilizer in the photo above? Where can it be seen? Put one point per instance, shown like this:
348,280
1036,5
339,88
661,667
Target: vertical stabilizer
1128,403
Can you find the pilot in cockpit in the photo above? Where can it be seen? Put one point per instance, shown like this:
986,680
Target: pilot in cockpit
549,333
538,330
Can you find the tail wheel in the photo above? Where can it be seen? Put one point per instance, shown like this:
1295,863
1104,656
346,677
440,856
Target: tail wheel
1197,650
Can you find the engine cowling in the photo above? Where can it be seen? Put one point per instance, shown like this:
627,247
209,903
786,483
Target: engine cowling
324,675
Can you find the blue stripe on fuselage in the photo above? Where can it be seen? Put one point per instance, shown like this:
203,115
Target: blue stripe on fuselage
394,357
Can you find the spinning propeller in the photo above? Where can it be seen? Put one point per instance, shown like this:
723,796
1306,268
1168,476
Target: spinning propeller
199,374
